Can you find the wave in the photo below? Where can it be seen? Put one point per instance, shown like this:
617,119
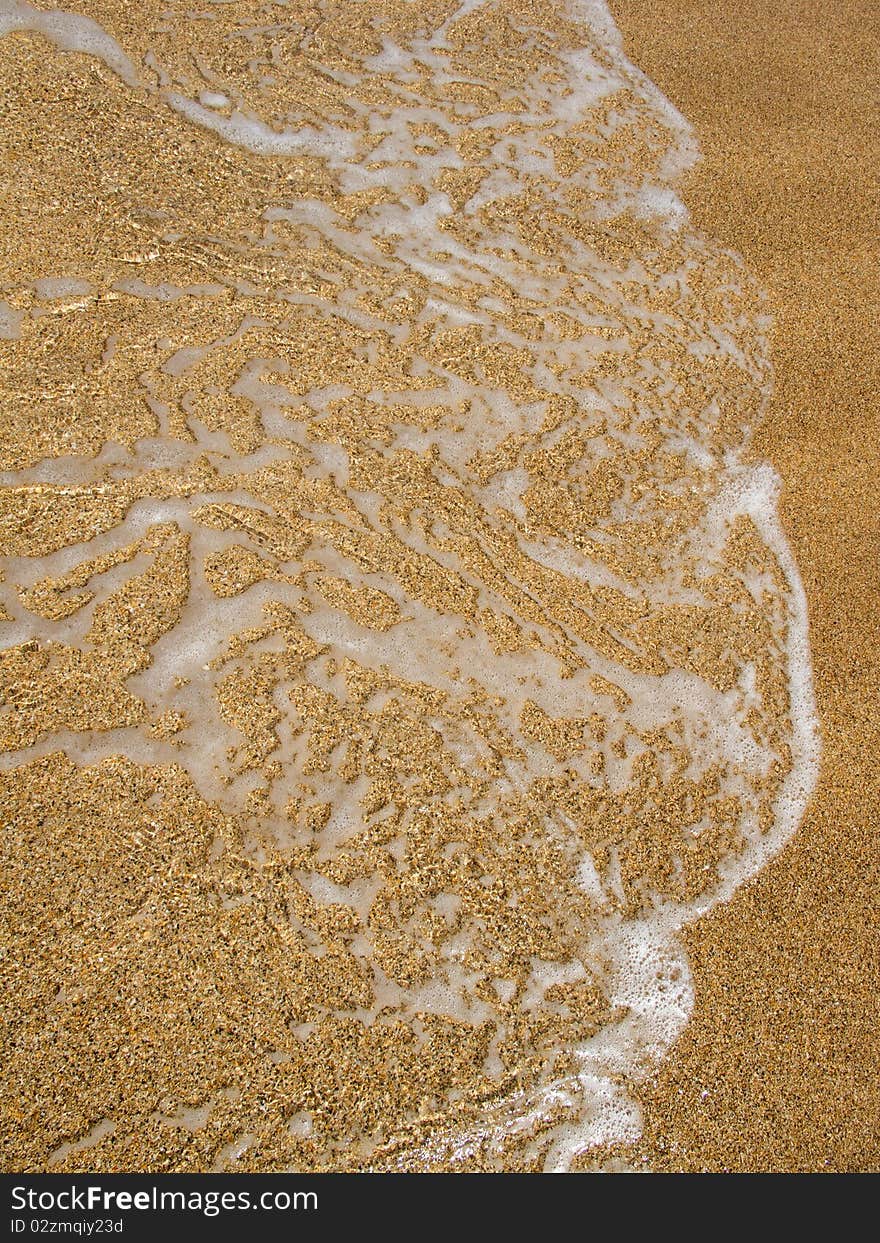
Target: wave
379,472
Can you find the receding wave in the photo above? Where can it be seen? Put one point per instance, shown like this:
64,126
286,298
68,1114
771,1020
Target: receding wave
400,642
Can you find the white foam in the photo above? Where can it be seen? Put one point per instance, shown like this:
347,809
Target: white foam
257,136
213,99
50,287
70,31
10,322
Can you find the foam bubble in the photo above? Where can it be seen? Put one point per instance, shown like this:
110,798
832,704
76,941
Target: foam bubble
10,322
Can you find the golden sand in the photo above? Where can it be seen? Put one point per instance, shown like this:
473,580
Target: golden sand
237,977
778,1067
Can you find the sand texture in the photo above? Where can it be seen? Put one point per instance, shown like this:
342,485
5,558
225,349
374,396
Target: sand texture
778,1068
429,517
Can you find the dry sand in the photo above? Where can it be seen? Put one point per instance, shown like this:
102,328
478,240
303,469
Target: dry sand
778,1068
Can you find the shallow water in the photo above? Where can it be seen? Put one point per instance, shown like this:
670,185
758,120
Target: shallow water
377,484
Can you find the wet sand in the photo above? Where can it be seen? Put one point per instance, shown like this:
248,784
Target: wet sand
777,1069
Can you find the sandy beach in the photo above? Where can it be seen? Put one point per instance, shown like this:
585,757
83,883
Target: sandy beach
778,1068
438,689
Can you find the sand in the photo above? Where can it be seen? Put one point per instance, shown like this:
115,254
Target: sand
357,818
778,1067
